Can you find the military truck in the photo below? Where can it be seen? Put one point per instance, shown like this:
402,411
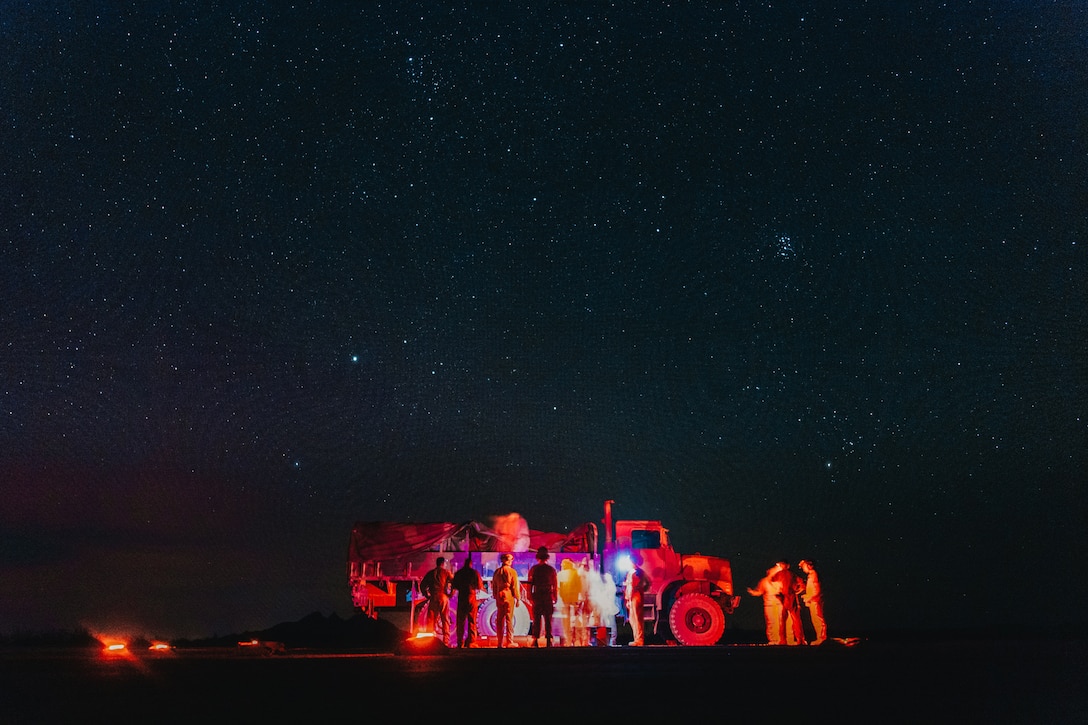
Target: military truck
689,598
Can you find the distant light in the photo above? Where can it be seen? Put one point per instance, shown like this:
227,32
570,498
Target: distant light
159,646
623,563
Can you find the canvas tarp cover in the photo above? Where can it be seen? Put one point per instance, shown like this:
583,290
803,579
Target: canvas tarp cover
386,540
583,539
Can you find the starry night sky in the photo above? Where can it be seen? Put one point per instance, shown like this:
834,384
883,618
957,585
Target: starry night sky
797,279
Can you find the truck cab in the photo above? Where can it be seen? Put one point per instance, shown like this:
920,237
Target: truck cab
689,596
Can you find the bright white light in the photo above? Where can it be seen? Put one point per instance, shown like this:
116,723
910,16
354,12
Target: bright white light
623,563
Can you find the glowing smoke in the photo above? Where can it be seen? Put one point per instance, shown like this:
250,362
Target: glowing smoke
513,532
602,596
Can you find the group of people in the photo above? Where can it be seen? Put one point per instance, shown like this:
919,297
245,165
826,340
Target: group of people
783,593
439,584
543,584
571,589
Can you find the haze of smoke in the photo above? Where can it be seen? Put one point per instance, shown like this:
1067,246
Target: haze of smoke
602,594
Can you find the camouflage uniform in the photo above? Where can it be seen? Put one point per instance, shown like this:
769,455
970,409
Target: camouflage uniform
634,587
466,582
436,587
544,590
507,592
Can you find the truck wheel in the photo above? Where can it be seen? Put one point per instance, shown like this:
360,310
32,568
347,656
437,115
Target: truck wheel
485,618
696,620
488,613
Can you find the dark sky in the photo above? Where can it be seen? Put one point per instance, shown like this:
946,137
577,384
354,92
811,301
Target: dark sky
800,279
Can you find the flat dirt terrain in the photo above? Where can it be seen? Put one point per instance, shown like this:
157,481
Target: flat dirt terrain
1019,681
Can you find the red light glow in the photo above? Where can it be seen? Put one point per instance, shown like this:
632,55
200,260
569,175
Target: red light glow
114,648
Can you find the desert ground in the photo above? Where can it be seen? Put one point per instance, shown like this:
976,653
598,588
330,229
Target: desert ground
1011,681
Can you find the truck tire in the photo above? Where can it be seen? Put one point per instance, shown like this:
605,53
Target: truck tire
488,613
696,620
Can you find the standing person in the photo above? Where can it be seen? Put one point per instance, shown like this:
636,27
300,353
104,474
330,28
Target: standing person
789,584
814,600
570,592
634,587
466,582
585,605
507,592
544,591
436,587
601,606
772,605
